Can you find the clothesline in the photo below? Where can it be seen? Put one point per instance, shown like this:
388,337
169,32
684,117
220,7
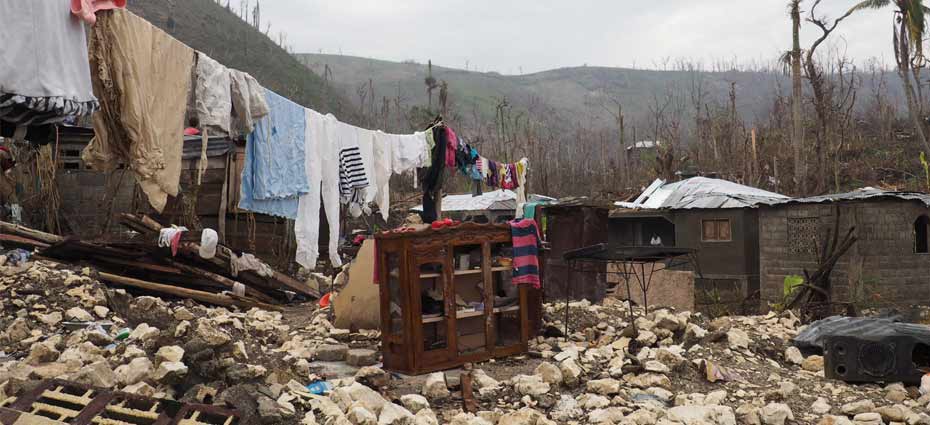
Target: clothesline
296,159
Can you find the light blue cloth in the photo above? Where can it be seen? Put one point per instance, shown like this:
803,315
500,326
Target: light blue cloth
274,176
281,207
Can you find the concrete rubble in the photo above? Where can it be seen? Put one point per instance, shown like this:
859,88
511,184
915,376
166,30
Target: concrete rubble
609,369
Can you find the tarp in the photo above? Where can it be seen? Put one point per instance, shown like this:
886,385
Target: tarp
142,76
867,328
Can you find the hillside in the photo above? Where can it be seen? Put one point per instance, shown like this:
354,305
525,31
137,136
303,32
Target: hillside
577,94
210,28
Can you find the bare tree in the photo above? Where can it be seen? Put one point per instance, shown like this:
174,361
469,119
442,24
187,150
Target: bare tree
797,123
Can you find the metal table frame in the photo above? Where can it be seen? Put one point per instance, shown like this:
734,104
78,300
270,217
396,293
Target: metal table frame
632,261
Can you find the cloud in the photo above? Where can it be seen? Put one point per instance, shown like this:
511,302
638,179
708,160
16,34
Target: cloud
513,35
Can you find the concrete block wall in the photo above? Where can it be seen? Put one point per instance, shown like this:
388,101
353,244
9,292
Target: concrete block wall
881,269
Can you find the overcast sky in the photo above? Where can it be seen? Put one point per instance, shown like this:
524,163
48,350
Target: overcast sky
514,36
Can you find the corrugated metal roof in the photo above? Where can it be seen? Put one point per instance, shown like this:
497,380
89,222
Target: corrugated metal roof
703,192
856,195
497,200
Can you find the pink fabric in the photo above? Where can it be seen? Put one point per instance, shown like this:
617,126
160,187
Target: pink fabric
452,144
175,242
525,235
86,9
525,261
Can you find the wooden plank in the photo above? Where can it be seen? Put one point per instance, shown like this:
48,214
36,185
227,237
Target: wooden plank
26,232
19,240
229,283
222,260
206,297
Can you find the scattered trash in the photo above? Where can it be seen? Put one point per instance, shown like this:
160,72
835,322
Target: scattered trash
324,300
123,334
17,257
319,387
715,373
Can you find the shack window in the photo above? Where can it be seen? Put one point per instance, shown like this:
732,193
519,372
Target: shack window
716,230
920,235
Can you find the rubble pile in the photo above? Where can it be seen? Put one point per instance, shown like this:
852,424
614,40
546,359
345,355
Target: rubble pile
661,368
58,322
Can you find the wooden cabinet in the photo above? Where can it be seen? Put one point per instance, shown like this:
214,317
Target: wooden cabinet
447,298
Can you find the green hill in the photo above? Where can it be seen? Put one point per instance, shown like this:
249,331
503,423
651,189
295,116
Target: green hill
218,32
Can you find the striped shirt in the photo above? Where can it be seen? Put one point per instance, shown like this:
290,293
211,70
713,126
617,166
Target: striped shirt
351,173
526,241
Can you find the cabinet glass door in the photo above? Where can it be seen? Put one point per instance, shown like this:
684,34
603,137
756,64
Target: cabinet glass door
430,288
507,315
393,307
468,280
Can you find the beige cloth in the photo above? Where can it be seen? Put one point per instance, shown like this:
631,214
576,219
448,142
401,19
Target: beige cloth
142,77
248,102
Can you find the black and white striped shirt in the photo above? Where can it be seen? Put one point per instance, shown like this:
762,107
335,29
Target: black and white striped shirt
351,172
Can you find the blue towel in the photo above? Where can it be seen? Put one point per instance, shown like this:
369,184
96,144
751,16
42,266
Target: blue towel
274,176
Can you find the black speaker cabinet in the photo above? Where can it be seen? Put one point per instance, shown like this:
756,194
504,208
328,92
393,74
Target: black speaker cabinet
883,359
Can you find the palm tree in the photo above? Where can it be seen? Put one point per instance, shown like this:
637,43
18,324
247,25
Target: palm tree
908,30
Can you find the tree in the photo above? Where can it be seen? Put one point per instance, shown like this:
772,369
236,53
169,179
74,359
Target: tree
908,31
797,124
823,102
431,83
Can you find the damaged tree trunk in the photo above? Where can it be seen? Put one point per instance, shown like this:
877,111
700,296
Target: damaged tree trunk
814,296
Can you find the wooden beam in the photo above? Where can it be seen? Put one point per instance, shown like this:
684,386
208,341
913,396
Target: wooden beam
26,232
202,296
222,280
221,260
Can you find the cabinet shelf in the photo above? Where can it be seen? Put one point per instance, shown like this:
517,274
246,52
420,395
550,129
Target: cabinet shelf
462,314
464,272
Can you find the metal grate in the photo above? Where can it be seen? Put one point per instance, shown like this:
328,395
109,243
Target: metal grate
802,235
71,403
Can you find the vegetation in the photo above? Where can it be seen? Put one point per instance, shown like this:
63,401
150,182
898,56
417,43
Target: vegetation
215,30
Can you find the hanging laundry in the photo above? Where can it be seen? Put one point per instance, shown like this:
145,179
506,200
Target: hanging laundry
87,9
44,71
355,165
433,177
395,153
352,178
248,103
508,176
319,154
212,96
526,241
274,174
409,151
281,136
520,170
493,174
143,101
452,145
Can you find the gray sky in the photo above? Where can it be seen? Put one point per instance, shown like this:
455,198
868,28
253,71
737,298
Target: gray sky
533,35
